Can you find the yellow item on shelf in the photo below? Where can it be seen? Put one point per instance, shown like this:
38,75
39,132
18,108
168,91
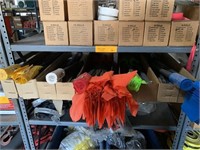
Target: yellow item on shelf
25,74
6,73
192,141
4,100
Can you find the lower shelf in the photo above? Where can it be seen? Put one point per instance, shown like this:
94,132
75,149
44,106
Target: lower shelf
161,119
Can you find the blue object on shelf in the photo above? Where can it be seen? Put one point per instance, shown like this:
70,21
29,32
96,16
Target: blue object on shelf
191,103
182,82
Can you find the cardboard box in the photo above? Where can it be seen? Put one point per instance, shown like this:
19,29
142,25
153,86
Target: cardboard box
156,33
53,10
159,10
169,92
132,9
81,33
106,32
81,10
65,91
28,90
131,33
183,33
9,88
56,33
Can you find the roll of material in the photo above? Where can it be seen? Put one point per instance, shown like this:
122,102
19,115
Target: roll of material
55,76
182,82
106,18
105,11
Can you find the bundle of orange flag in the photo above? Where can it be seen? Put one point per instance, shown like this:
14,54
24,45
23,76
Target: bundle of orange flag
104,98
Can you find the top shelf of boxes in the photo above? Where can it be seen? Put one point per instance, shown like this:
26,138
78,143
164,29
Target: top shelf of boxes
133,26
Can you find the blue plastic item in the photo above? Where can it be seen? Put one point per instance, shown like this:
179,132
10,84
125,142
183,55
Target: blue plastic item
191,103
182,82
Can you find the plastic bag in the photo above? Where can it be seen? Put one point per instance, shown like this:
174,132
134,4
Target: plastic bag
76,141
146,108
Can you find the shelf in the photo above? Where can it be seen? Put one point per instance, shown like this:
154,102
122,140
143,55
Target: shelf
65,121
7,120
36,44
160,119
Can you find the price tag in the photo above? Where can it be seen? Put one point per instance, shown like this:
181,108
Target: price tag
106,49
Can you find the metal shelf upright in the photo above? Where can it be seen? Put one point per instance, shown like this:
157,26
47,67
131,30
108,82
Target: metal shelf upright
6,59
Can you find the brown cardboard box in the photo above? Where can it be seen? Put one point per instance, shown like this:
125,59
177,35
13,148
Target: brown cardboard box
156,33
28,90
53,10
169,92
81,32
65,91
9,88
159,10
46,91
106,32
132,9
81,10
183,33
131,33
56,33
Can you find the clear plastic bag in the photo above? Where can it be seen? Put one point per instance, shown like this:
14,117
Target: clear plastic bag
146,108
76,141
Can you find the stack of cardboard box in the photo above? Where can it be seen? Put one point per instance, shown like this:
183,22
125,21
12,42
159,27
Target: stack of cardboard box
53,13
141,23
81,15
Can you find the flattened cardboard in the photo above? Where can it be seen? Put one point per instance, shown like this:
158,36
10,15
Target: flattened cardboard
56,33
53,10
167,93
46,91
81,10
9,88
106,32
131,33
28,90
81,33
183,33
159,10
65,91
156,33
132,9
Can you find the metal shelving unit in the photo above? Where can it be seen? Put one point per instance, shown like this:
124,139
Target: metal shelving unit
161,119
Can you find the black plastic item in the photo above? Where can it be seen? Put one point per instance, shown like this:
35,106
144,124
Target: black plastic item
56,138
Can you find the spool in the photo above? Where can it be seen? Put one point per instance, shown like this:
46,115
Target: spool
55,76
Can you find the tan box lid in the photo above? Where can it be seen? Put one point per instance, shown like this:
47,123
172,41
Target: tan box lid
132,9
81,33
159,10
46,91
81,10
183,33
53,10
131,33
56,33
156,33
106,32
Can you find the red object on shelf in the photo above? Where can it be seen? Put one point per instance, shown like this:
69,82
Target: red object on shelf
8,25
7,106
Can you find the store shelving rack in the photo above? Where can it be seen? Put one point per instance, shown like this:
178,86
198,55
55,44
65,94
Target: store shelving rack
36,44
12,119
